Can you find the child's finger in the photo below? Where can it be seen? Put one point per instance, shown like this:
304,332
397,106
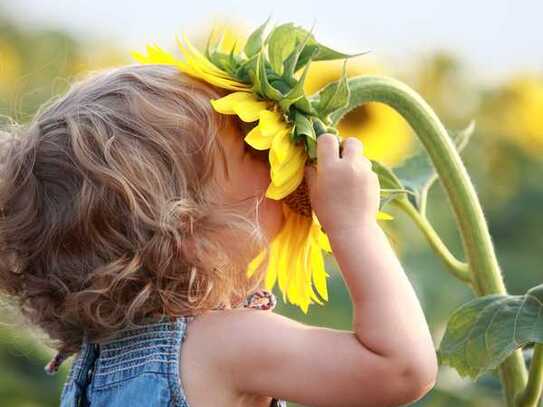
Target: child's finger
352,147
327,148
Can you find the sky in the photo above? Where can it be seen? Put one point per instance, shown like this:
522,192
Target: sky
493,38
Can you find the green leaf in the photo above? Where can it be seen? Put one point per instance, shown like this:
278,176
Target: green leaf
482,333
387,178
388,181
254,42
417,172
333,97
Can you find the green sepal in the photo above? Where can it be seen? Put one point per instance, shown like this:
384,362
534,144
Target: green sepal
246,71
228,62
281,42
284,49
255,41
261,83
292,60
323,54
281,86
311,148
297,94
304,126
333,97
304,105
318,126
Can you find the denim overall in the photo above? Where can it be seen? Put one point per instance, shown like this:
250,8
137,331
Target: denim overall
140,367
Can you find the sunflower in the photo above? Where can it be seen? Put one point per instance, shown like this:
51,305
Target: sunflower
10,66
287,159
387,137
522,118
296,261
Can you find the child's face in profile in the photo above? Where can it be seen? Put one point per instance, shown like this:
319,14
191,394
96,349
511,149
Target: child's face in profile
248,176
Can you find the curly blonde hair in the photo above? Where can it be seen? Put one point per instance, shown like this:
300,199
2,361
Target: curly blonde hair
110,212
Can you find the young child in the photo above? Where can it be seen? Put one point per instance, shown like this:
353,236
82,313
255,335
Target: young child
130,210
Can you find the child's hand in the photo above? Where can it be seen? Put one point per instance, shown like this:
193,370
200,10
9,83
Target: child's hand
344,191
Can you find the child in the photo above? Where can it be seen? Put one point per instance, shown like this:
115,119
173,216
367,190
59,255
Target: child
130,210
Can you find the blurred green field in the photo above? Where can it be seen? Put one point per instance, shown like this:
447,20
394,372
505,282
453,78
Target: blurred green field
504,158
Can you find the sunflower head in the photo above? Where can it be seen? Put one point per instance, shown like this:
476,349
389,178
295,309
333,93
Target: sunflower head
266,78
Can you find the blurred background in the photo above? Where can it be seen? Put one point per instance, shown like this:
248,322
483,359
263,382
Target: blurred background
469,60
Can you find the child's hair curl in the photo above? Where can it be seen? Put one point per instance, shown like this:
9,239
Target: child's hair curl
110,212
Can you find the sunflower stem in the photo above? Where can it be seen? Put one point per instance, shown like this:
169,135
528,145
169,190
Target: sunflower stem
423,201
457,268
531,395
478,247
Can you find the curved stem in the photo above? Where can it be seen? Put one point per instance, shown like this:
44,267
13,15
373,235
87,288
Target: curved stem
530,397
478,247
458,269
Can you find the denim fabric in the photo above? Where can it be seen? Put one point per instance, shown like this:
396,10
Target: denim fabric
140,367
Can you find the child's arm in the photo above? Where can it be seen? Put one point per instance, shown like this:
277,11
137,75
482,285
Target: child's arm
388,318
389,359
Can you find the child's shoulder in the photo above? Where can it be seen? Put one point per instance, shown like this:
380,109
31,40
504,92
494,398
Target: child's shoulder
244,352
210,361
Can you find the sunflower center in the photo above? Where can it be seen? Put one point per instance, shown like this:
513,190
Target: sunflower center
299,200
357,117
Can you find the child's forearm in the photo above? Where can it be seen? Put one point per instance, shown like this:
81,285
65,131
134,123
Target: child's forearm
387,318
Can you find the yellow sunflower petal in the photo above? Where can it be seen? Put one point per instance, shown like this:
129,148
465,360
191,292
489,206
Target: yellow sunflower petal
225,105
249,110
196,64
319,272
219,81
280,191
255,263
384,216
284,250
320,237
282,146
324,243
256,140
273,269
307,288
200,59
271,123
271,277
302,277
308,264
155,55
295,275
282,174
